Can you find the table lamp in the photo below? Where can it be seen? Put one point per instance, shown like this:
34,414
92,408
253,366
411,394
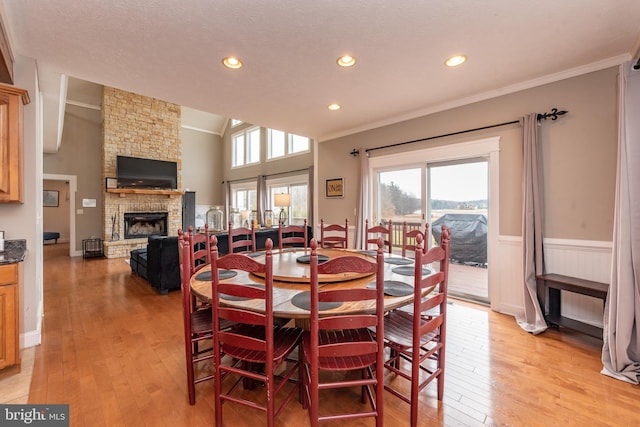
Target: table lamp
282,200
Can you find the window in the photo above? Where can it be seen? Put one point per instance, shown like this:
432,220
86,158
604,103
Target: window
245,147
280,144
298,187
244,198
235,122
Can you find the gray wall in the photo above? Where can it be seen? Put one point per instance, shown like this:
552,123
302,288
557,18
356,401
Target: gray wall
80,154
579,154
202,166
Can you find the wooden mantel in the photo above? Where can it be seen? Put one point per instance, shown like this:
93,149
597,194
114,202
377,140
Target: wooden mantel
123,191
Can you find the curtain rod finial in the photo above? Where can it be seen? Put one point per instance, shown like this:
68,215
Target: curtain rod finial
553,115
355,152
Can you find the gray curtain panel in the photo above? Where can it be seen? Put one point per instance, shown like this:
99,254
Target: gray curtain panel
262,197
621,349
364,194
532,320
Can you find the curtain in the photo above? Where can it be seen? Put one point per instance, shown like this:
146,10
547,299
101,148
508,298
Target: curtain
621,336
532,210
262,197
310,197
364,196
227,200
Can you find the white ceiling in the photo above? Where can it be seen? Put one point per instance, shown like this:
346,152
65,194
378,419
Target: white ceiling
172,50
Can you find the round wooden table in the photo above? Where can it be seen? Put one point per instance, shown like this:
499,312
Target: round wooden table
292,277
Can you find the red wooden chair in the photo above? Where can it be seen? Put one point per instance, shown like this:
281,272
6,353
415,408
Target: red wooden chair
344,342
334,240
256,347
289,235
242,238
197,320
409,242
377,231
199,249
421,339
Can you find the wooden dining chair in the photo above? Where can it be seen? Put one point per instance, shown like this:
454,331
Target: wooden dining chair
342,343
409,243
419,336
199,249
256,348
196,320
331,239
293,235
241,238
376,231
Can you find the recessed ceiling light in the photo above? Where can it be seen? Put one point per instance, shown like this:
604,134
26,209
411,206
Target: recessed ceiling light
232,62
455,60
334,107
346,61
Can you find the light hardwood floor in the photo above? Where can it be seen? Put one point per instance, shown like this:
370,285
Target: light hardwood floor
113,349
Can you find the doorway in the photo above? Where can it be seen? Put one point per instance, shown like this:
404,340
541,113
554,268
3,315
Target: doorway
421,177
457,196
67,183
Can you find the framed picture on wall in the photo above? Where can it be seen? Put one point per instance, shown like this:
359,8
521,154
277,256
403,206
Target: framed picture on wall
335,187
50,198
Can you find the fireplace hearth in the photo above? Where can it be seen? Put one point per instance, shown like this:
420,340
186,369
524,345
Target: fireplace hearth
142,224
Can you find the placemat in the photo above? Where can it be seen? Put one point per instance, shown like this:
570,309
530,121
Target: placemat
398,261
302,300
371,253
394,288
306,259
255,254
235,298
222,274
409,270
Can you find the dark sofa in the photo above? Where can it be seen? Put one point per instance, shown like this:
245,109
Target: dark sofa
158,262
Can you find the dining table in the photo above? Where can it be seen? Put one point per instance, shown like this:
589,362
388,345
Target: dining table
291,283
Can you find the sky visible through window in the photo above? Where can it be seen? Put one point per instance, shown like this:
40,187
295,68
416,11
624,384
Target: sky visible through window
460,183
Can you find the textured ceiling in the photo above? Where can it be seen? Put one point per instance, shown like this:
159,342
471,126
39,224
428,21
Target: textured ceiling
172,50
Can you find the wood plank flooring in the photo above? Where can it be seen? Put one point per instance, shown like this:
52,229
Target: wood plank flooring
113,349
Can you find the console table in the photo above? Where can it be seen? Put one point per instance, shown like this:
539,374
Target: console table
549,287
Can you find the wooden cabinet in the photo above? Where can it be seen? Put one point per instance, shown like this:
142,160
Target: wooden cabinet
12,101
9,315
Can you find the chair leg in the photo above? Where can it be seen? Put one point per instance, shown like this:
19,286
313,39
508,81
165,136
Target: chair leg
190,376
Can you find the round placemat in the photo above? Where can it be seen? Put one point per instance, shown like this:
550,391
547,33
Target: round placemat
255,254
398,261
235,298
394,288
306,259
222,274
409,270
302,300
370,253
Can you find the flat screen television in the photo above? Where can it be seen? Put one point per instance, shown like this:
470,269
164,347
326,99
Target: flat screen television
136,172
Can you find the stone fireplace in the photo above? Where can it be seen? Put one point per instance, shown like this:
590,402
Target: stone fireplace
139,126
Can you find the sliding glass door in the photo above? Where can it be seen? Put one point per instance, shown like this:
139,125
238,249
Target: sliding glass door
458,197
454,193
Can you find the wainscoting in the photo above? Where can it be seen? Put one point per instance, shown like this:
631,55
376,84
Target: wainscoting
584,259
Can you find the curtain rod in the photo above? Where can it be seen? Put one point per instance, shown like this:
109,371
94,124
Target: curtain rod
267,176
553,115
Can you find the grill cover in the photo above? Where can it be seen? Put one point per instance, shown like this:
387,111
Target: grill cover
468,236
